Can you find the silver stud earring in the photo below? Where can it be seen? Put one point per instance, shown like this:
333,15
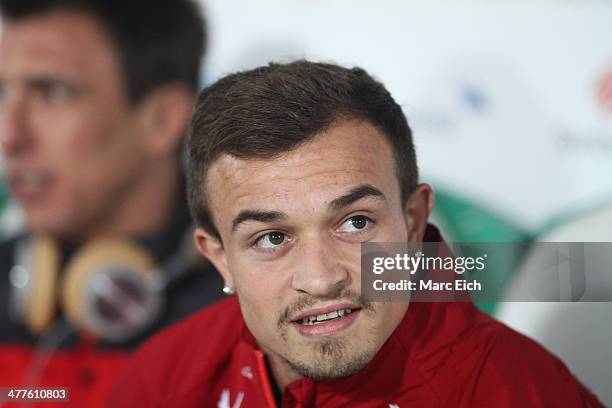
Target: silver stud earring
228,291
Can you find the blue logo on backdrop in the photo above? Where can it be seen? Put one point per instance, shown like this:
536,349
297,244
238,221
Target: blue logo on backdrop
474,98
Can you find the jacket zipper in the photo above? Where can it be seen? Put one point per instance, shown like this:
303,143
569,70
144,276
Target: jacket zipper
265,381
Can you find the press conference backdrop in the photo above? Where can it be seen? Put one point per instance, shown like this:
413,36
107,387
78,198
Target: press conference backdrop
510,102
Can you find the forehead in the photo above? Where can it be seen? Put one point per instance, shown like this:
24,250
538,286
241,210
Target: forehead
61,42
348,154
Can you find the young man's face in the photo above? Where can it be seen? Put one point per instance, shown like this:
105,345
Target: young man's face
291,230
66,128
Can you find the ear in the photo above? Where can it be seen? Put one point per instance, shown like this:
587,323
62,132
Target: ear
417,210
163,118
213,250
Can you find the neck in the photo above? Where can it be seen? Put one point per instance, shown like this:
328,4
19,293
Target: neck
281,372
142,208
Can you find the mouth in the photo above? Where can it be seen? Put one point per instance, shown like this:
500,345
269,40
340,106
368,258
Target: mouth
326,317
325,322
28,186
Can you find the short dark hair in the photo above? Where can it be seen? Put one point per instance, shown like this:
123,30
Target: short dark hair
267,111
158,41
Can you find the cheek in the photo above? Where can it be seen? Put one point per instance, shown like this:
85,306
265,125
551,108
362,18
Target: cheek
259,288
67,136
85,127
101,139
389,315
251,282
348,257
102,154
260,311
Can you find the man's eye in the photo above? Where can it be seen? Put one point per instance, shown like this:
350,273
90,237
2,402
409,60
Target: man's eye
57,93
54,92
356,223
271,240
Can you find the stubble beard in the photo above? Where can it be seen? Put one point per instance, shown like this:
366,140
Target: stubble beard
333,358
330,359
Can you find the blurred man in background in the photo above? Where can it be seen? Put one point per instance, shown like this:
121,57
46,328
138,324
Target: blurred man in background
94,100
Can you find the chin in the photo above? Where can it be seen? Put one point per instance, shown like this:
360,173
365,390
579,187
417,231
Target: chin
43,224
330,363
329,359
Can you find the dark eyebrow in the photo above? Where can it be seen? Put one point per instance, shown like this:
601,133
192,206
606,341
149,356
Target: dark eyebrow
356,194
257,215
44,83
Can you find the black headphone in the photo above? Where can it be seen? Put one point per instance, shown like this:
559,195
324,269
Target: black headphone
110,288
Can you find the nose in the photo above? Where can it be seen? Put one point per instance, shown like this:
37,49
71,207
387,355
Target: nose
321,272
14,132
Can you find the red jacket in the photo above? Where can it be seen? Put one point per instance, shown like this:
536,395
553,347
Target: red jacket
440,355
